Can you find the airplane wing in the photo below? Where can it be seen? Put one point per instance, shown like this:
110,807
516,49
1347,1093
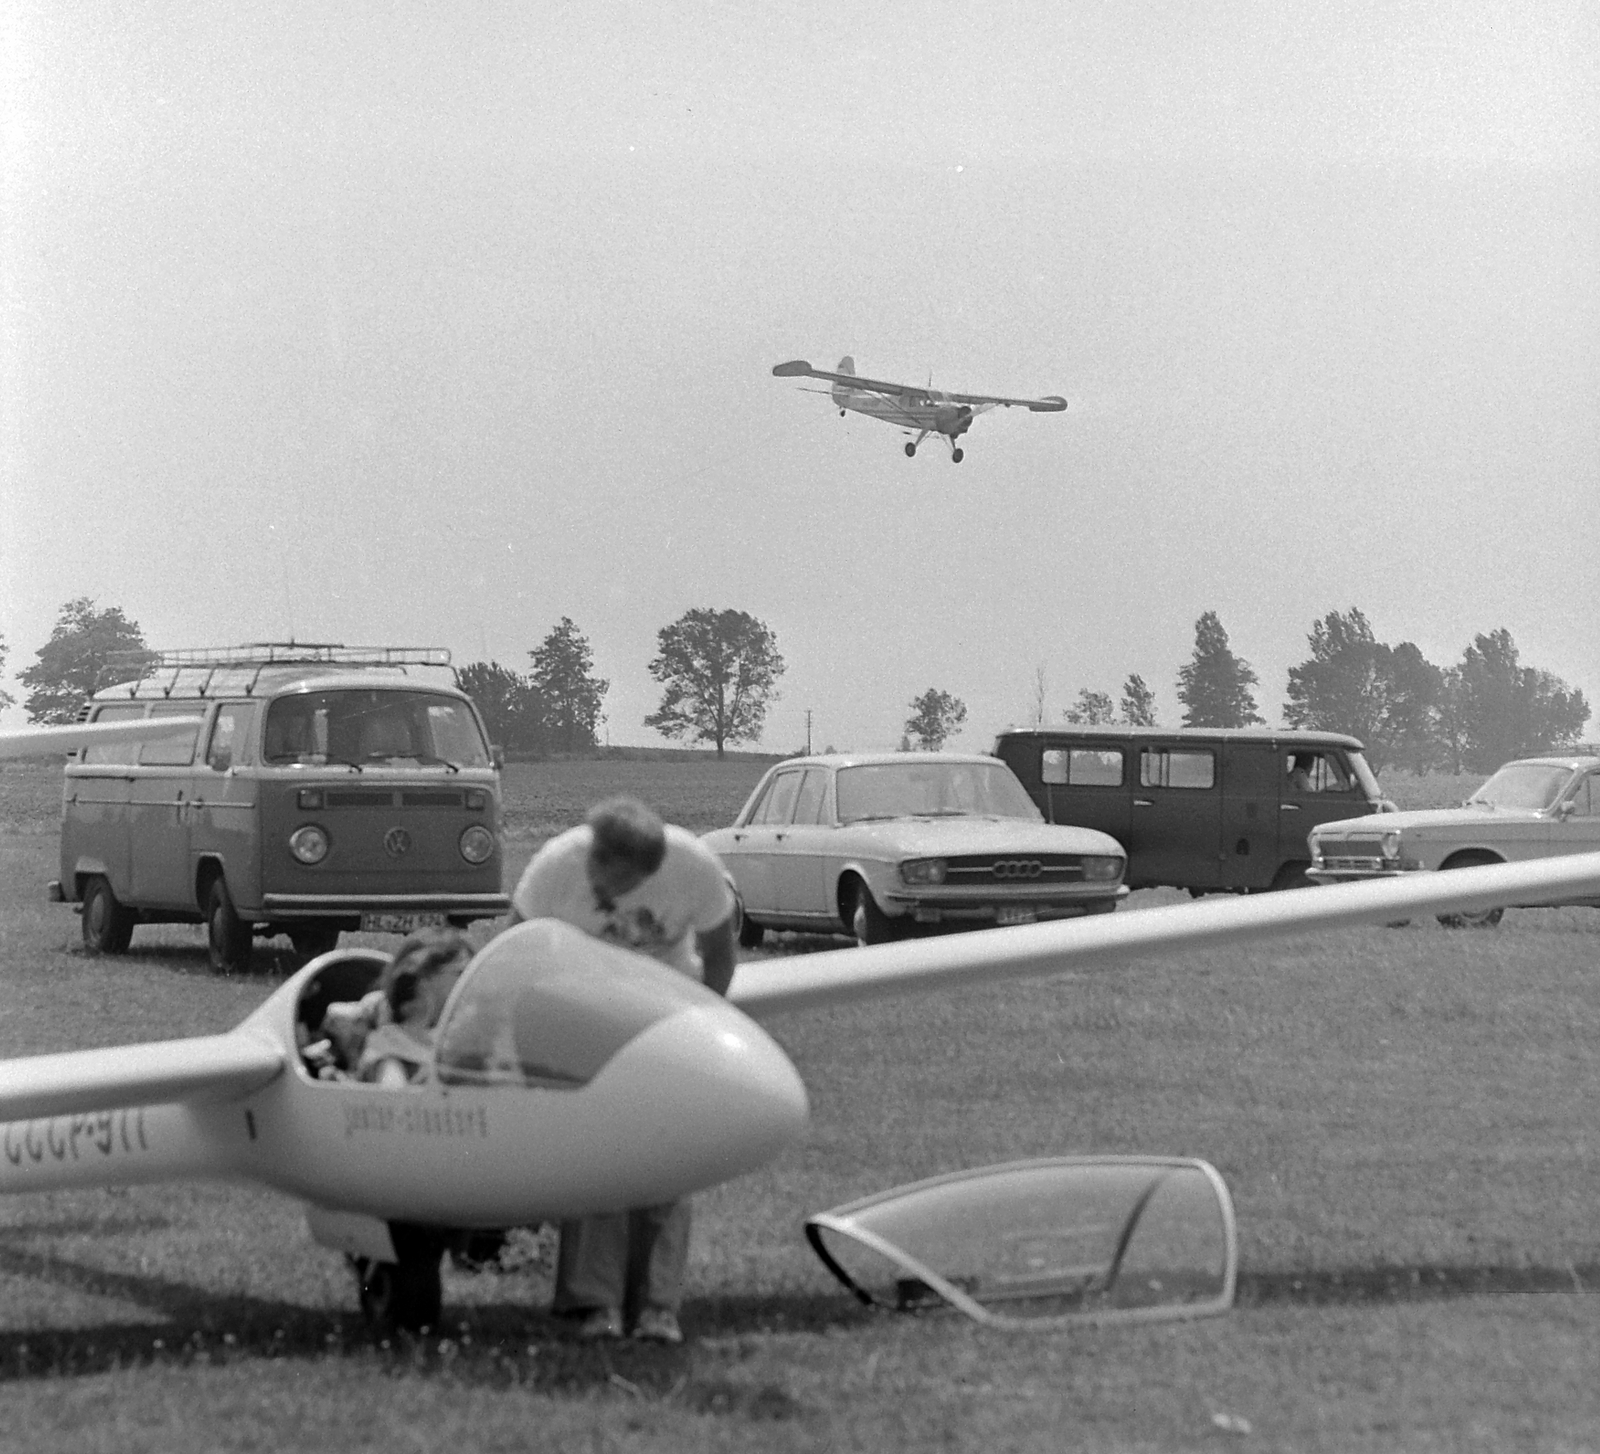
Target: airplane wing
76,1082
56,741
771,986
799,368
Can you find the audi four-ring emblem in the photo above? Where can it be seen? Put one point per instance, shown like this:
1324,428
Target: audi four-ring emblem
1018,868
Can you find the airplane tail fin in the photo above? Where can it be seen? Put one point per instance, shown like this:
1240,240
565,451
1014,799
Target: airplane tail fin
843,392
847,365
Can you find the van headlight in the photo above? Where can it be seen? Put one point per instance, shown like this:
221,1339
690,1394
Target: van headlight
923,870
309,843
477,844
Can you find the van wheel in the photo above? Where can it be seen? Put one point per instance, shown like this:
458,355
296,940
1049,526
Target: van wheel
228,937
868,922
310,940
107,924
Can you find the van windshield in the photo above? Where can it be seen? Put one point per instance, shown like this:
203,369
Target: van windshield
359,727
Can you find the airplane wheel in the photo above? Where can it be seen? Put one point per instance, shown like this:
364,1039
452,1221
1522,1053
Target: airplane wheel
911,449
406,1294
956,456
107,924
868,922
228,938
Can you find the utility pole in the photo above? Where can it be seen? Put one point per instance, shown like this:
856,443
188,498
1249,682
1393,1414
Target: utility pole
808,731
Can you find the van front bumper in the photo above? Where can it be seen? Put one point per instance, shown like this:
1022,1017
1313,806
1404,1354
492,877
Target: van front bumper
289,907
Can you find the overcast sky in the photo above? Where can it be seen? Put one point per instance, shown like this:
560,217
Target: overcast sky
432,324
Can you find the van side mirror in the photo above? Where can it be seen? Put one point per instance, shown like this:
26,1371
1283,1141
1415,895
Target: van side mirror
221,759
497,756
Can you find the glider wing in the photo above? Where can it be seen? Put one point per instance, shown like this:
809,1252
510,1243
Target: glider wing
768,987
56,741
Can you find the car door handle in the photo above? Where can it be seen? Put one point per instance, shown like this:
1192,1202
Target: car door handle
778,836
1144,802
1288,807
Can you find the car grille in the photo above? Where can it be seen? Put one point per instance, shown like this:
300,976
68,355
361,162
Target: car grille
394,798
1359,854
1345,861
1043,868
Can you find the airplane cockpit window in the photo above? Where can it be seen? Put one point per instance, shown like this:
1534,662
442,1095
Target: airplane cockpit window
546,1006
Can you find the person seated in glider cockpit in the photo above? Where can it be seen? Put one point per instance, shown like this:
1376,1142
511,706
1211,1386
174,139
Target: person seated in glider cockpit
414,985
387,1035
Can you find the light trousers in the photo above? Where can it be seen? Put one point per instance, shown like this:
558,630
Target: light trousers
628,1260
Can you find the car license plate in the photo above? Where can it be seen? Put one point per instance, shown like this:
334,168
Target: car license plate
1010,915
387,923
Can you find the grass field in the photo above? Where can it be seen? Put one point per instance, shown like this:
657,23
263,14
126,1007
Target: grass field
1406,1119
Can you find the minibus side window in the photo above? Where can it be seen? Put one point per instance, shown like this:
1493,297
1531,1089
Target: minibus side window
172,751
115,752
1161,767
230,736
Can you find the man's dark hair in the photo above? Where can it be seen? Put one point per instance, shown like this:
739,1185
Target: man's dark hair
624,829
421,956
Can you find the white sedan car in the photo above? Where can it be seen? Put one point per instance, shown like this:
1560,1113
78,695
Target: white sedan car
874,845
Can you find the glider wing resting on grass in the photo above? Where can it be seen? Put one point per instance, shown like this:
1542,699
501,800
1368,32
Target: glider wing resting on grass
570,1076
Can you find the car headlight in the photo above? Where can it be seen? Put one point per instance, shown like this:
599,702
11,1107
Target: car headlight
923,870
1102,870
477,843
309,843
1391,845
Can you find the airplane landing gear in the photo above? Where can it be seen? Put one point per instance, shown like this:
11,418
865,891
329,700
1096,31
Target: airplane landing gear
956,456
406,1293
911,449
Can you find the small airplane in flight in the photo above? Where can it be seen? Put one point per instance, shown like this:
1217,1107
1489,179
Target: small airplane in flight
571,1076
916,410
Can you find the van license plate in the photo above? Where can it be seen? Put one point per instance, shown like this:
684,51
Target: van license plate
1015,916
397,923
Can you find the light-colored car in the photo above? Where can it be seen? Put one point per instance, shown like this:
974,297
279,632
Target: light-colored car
1533,808
873,845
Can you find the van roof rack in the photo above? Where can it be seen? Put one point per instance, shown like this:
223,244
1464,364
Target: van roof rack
255,657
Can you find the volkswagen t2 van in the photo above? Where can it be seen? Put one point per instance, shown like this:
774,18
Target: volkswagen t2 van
324,788
1211,810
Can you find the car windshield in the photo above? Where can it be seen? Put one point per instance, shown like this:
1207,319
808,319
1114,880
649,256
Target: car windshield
1523,785
358,727
913,789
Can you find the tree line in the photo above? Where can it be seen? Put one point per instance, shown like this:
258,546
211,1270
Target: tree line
1409,713
719,670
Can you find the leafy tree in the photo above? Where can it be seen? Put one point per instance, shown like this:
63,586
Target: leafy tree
509,703
1502,709
569,692
720,670
935,718
1138,702
1215,685
1092,709
72,664
6,699
1412,736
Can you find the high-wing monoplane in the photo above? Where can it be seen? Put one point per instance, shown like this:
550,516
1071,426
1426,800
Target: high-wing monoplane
911,407
570,1076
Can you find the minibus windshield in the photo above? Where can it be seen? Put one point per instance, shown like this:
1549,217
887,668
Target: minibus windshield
359,727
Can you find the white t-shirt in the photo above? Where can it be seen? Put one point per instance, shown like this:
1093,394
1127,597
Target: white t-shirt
685,896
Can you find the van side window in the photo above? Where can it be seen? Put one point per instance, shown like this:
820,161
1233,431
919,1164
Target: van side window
1091,767
230,736
172,751
1315,772
1162,767
113,752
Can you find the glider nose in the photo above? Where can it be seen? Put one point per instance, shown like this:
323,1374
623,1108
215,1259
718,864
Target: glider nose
719,1096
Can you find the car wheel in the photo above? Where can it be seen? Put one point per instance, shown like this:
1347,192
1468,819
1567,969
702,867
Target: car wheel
228,938
310,940
1481,918
868,922
750,933
107,923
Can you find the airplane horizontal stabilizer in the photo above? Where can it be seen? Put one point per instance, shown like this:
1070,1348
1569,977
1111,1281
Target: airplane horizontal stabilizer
209,1068
794,369
767,987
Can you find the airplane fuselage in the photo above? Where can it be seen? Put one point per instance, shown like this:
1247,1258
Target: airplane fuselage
919,413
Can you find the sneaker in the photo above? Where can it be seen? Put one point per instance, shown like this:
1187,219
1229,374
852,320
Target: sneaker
658,1325
600,1323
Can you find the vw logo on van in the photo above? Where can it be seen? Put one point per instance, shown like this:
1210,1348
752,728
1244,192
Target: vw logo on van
1018,868
397,843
